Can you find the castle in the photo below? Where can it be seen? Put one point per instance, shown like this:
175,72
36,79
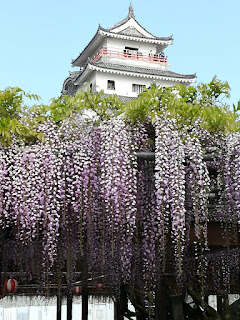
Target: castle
123,59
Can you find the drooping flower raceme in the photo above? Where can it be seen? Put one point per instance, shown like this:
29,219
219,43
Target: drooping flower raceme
118,191
35,196
170,187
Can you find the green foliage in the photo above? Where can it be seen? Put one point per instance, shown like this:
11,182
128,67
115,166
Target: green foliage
188,105
202,103
13,115
101,108
104,108
237,107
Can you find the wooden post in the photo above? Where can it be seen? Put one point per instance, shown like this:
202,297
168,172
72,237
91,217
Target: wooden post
219,305
177,307
160,302
69,306
84,304
120,305
118,312
141,317
59,306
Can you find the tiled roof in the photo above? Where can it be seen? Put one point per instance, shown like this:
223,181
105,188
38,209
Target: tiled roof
125,68
122,98
74,74
132,16
133,34
88,45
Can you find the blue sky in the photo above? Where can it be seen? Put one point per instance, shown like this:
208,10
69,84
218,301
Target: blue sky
39,38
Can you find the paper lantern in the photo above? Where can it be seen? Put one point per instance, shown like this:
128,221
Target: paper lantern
11,285
99,285
77,290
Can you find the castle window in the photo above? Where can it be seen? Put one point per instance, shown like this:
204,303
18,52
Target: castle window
138,88
129,52
111,85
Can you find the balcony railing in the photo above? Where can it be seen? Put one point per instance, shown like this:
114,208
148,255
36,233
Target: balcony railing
128,55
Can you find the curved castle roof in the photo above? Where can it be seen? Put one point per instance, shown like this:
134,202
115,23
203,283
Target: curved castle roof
129,28
135,71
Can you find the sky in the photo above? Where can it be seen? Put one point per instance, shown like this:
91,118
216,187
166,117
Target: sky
39,38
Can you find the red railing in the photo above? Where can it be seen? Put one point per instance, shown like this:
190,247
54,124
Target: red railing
127,55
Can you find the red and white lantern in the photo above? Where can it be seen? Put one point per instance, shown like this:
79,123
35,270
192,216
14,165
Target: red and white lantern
77,290
11,285
99,286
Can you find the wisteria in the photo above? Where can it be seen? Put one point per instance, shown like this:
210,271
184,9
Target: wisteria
83,201
170,187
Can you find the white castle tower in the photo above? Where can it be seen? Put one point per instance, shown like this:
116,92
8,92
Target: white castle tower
124,59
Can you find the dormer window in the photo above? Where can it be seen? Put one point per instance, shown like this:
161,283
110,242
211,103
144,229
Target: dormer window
111,85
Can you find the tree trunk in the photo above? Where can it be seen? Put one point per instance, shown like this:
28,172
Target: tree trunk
198,299
225,303
160,302
219,305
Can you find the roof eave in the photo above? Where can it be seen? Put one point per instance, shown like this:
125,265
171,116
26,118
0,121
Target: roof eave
83,56
88,69
167,41
191,78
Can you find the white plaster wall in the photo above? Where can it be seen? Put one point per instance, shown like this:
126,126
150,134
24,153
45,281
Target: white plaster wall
123,84
20,308
86,83
120,44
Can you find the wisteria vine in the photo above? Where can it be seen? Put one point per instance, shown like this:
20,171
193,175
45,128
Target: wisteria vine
83,195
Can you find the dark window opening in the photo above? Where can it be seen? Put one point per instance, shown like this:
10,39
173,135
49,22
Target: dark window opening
129,51
111,85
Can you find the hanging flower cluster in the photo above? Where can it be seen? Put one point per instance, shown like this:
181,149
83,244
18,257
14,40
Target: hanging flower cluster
229,181
170,187
198,186
118,191
35,192
80,199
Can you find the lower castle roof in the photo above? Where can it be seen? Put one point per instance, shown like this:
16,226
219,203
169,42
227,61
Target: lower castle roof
165,73
136,71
